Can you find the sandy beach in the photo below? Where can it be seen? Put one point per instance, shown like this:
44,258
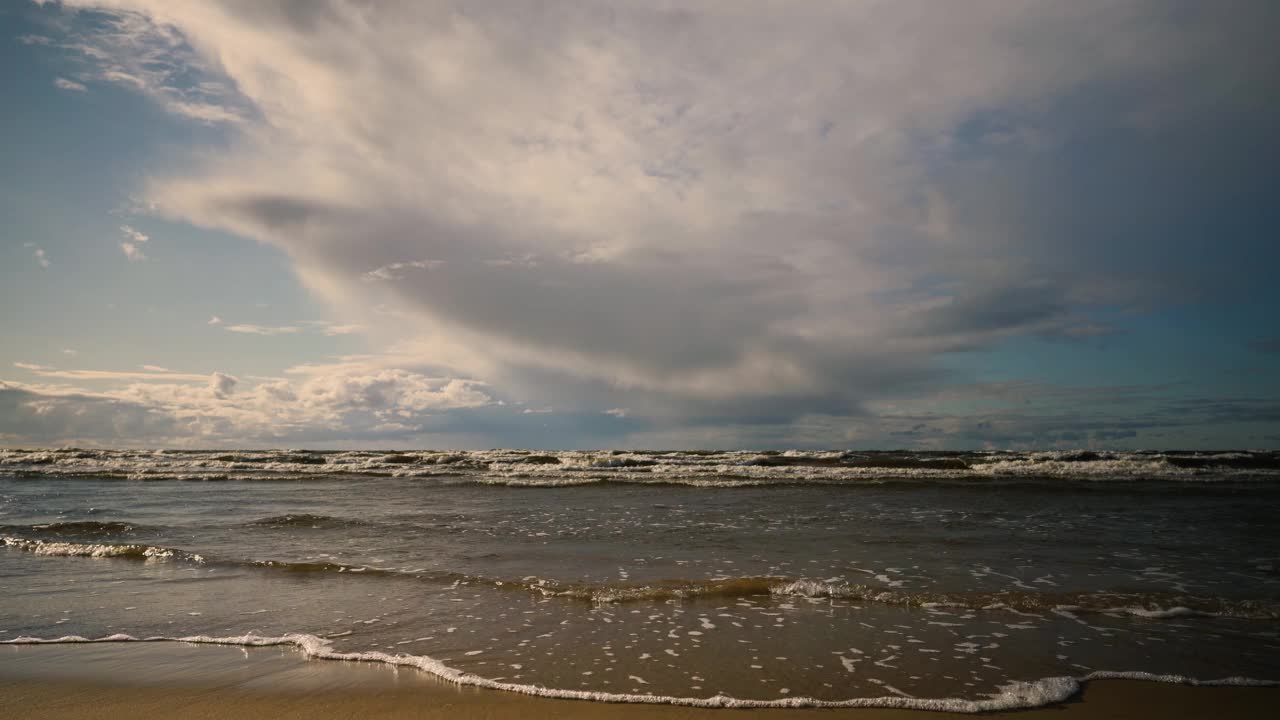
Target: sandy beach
173,680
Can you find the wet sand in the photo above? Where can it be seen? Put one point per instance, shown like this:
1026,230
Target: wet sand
174,680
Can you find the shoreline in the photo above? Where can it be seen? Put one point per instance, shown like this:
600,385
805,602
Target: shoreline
149,679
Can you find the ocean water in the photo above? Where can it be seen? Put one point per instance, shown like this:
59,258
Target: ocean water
954,581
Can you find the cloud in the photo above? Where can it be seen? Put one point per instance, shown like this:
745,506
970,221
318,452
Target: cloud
69,351
342,329
324,326
65,84
29,416
354,401
393,271
132,247
263,329
222,385
126,47
155,368
334,329
147,375
41,258
725,211
133,235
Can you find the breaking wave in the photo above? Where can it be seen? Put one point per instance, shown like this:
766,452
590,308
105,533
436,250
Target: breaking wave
99,550
697,468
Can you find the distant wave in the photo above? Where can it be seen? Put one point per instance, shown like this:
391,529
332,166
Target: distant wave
1146,605
79,528
709,469
1012,696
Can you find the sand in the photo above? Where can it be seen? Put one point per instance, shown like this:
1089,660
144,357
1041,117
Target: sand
162,680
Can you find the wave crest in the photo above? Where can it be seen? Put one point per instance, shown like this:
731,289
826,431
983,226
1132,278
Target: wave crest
99,550
79,527
304,520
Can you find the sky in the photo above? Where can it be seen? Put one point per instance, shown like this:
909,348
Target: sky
984,224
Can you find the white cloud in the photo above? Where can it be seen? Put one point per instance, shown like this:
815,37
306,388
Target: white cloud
209,113
40,256
250,329
155,368
393,271
148,375
127,48
353,400
133,235
334,329
617,412
132,246
69,351
65,84
31,366
324,326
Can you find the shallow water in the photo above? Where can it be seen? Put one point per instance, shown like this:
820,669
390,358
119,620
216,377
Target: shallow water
831,576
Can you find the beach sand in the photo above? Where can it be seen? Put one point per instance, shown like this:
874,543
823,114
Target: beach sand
161,680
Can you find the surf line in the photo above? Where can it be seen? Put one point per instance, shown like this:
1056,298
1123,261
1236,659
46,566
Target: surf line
1016,695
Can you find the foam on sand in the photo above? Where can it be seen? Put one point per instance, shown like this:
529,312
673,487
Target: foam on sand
1012,696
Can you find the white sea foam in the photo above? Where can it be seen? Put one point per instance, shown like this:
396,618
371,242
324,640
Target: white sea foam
1012,696
1123,468
97,550
1160,613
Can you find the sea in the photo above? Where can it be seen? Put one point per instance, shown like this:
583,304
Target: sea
960,581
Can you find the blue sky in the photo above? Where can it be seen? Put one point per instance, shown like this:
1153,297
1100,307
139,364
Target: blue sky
338,224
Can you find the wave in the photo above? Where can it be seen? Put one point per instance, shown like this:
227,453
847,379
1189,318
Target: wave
1016,695
694,468
99,550
78,528
304,520
332,567
155,552
1144,605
